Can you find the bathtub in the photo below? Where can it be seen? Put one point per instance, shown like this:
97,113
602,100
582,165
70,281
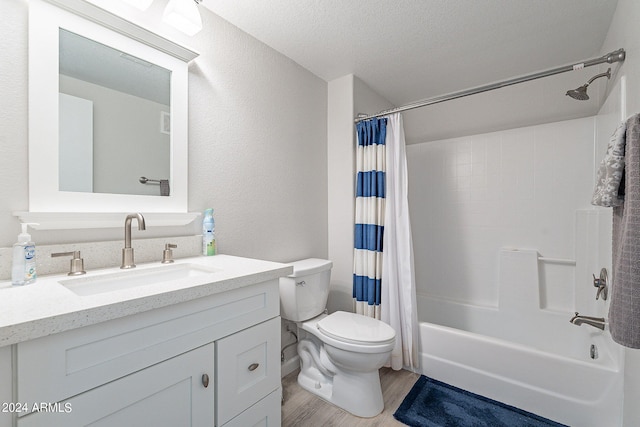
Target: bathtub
544,366
523,351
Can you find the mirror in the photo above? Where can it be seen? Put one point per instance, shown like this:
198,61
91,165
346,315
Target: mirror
111,101
107,119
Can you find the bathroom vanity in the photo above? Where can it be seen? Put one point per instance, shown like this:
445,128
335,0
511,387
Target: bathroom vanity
195,342
200,346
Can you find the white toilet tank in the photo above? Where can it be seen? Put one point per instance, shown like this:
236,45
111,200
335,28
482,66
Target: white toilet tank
303,294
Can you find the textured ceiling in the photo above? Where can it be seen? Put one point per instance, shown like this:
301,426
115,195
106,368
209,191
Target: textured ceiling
408,50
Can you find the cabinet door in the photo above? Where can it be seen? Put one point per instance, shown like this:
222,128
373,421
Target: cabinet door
265,413
247,368
169,394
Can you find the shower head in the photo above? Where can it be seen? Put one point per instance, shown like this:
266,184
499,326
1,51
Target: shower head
581,93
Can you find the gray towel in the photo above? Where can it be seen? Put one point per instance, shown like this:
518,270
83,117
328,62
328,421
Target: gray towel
608,191
624,311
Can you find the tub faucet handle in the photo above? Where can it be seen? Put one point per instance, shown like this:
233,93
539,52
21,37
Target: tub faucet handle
601,284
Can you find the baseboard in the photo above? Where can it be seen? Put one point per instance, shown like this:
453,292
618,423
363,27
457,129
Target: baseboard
290,365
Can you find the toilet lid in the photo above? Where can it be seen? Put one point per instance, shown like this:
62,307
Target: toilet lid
356,328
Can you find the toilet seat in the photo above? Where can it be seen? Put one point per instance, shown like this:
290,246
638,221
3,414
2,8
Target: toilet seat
352,328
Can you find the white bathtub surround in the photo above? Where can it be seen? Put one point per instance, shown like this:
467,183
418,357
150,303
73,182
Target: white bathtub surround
522,317
524,352
494,317
474,195
398,293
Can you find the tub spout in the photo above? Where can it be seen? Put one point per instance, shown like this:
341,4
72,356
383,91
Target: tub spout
596,322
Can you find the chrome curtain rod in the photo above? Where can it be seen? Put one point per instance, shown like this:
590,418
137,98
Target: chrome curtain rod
615,56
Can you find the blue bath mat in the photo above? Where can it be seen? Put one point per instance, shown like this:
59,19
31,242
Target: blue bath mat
432,403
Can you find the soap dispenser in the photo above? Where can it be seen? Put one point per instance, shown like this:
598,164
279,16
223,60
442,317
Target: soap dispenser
23,270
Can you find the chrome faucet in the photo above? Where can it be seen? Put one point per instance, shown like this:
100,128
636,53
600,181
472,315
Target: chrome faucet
601,284
127,251
596,322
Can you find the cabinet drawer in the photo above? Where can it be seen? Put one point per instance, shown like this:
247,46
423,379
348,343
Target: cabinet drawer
168,394
56,367
247,368
265,413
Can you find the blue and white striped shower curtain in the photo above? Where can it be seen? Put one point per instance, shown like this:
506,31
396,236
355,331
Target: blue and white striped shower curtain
369,216
383,279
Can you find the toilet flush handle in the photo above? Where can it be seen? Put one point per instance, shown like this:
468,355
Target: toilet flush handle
301,283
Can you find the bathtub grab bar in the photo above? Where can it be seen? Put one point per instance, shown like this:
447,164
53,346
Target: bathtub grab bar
557,260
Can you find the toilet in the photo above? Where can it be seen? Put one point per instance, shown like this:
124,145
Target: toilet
340,353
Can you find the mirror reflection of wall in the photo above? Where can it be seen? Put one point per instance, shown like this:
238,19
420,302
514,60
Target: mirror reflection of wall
113,109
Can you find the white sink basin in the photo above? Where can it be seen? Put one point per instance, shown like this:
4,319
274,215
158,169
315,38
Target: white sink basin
134,278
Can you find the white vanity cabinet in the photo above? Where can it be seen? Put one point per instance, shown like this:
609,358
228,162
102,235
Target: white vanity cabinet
248,369
211,361
5,386
170,393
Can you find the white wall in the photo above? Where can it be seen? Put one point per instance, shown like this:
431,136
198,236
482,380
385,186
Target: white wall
257,142
625,32
341,155
14,185
473,195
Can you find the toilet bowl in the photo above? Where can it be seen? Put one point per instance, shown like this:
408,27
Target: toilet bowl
340,353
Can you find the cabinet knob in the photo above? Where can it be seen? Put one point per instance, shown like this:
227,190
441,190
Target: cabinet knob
253,366
205,380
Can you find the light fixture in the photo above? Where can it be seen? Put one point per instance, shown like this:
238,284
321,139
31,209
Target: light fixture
140,4
183,15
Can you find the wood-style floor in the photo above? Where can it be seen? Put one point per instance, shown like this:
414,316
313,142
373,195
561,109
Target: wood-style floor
302,409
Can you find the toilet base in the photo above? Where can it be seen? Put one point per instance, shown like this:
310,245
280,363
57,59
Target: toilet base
358,393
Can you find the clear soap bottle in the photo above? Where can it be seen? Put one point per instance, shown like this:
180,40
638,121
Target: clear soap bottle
23,268
208,233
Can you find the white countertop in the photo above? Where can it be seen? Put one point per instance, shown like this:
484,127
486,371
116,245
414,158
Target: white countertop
47,307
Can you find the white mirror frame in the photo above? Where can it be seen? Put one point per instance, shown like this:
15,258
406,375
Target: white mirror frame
45,20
